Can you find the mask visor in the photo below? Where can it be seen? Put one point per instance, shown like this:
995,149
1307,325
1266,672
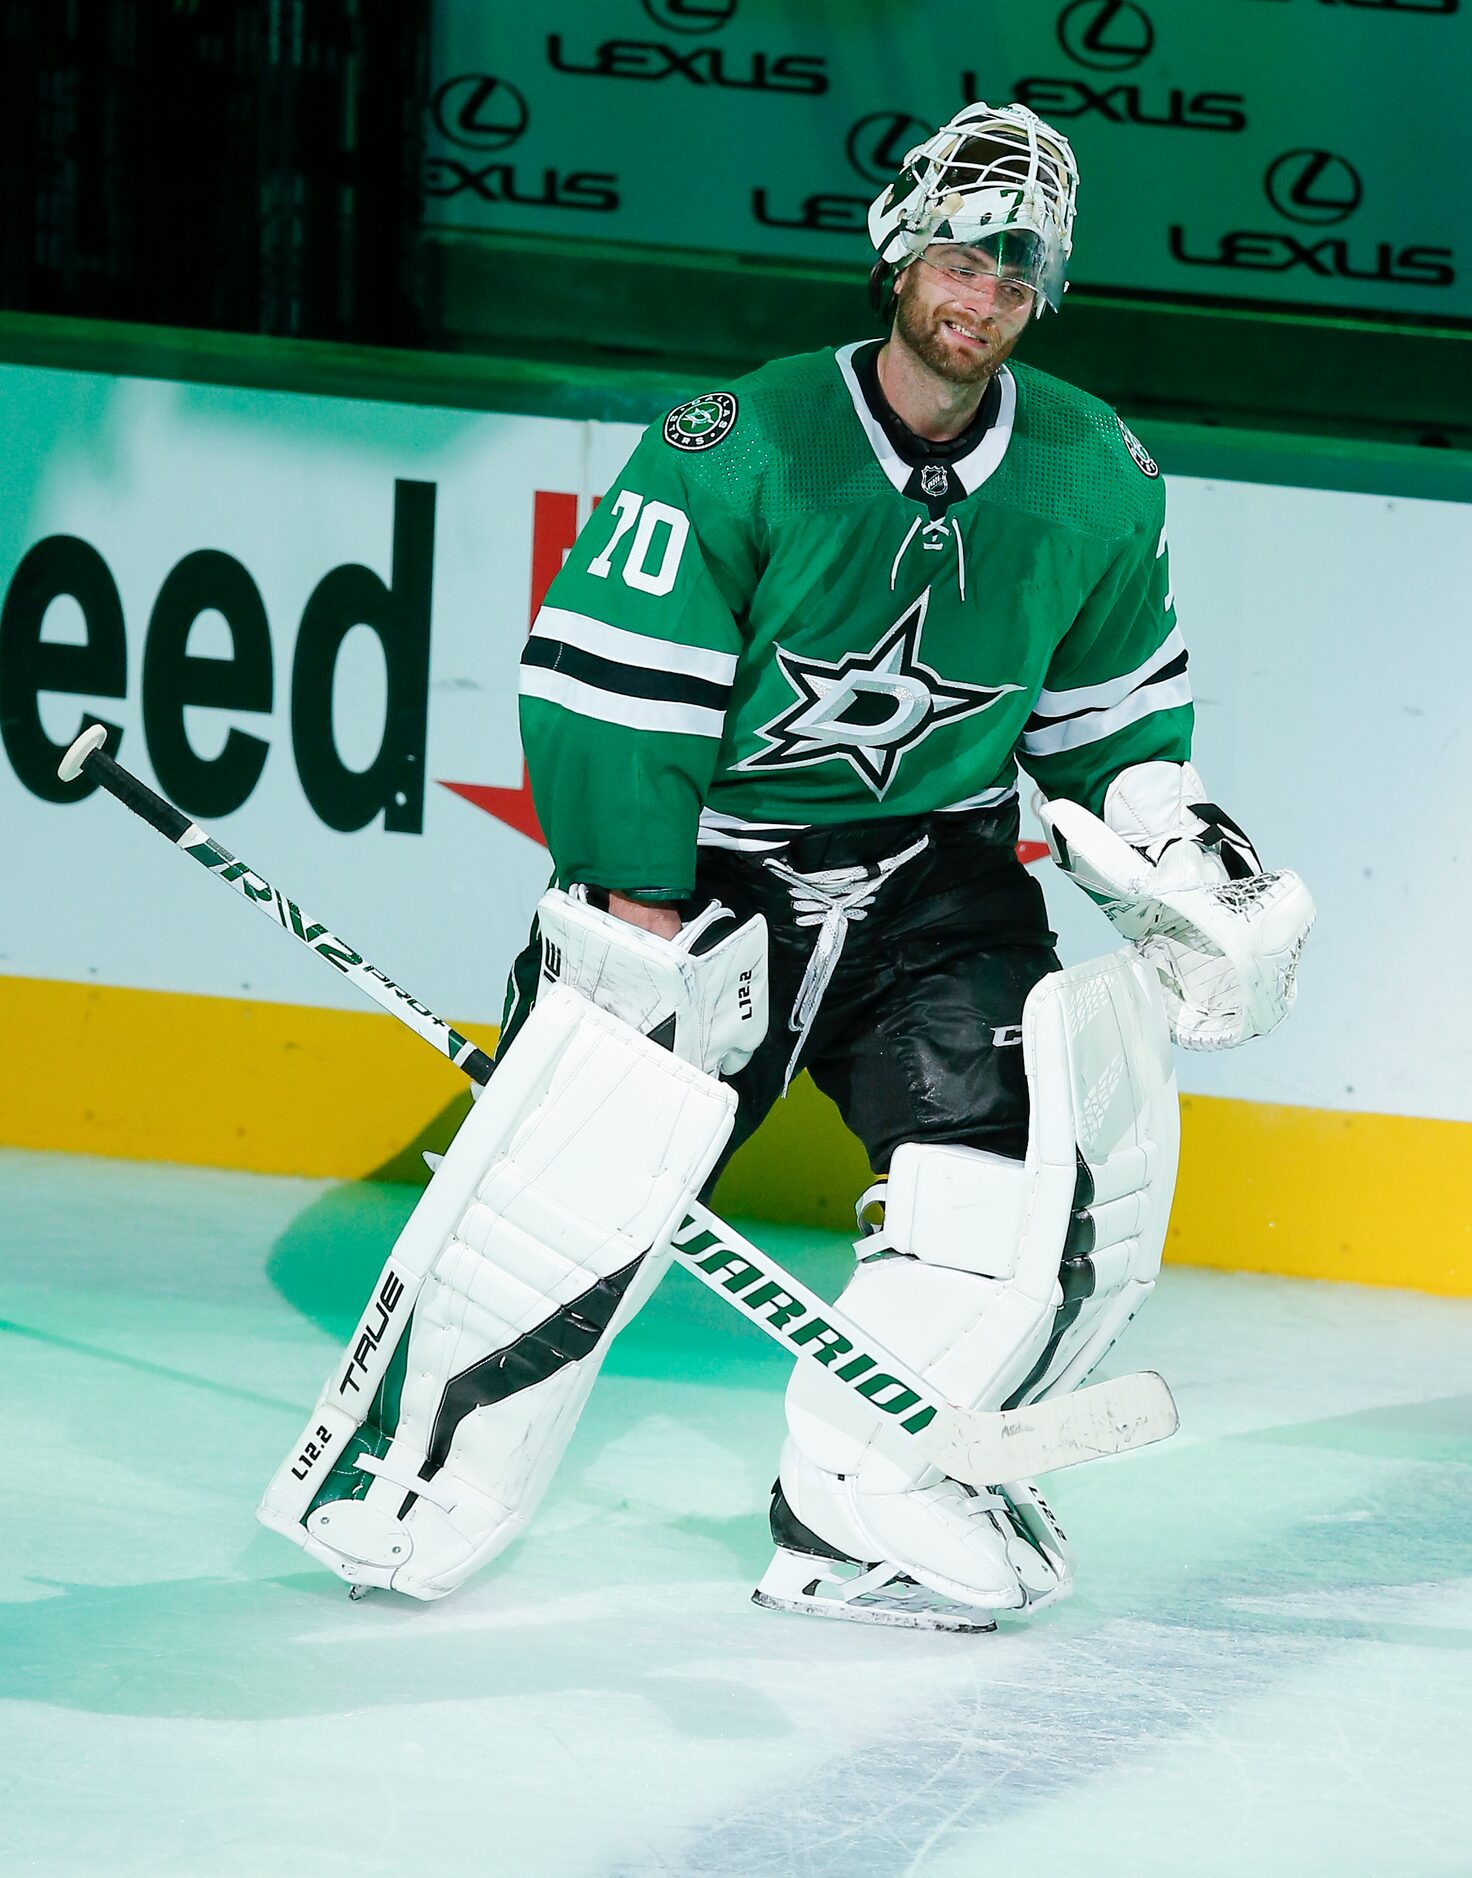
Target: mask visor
1036,259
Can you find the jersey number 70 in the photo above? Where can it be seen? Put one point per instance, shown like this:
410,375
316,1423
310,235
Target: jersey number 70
651,517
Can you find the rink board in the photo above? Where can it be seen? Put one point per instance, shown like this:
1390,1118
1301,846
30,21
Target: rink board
282,1089
151,529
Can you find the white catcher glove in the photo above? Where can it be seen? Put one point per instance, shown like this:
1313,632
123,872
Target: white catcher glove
704,999
1225,949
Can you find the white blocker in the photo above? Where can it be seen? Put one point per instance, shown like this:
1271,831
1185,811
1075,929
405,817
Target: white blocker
704,998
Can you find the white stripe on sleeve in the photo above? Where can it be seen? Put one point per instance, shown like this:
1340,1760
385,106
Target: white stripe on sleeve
1094,725
615,707
1112,690
614,642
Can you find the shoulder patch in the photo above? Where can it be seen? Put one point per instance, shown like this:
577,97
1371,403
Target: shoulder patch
1144,462
701,422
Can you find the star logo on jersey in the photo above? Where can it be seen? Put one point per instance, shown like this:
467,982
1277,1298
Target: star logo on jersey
867,709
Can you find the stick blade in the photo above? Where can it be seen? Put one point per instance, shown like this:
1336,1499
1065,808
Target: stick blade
1086,1424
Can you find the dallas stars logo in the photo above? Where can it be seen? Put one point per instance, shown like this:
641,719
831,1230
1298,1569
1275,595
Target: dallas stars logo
701,422
869,708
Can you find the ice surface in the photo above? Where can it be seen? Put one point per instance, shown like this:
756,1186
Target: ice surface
1266,1669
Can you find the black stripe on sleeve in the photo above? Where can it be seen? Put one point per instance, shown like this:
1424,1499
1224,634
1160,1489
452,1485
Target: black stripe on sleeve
630,681
1173,669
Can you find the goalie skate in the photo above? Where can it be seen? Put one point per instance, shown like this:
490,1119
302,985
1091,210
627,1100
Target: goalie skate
815,1579
816,1585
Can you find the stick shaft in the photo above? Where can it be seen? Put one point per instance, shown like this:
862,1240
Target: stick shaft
284,912
980,1446
770,1297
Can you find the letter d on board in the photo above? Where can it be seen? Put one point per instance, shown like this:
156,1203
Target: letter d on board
352,596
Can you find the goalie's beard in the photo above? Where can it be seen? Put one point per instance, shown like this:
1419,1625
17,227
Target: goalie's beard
920,331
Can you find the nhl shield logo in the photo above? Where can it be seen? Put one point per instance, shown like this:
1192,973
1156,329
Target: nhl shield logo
934,480
702,422
1144,462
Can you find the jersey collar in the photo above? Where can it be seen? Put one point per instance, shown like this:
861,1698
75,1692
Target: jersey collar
971,470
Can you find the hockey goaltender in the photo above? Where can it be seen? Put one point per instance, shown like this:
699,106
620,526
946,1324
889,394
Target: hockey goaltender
773,710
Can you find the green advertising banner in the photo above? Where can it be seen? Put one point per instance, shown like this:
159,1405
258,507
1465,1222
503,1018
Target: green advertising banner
1304,153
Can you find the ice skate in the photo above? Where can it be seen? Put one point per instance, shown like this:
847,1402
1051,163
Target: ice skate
817,1586
815,1579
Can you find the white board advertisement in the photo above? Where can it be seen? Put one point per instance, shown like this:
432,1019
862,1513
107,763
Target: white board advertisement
304,616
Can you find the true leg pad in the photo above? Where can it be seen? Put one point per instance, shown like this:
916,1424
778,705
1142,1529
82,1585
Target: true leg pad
543,1230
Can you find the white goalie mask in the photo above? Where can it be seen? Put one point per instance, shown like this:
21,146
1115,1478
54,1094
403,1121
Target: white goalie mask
994,177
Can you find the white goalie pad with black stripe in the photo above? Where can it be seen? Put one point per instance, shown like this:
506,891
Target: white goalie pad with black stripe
542,1232
1001,1281
1123,1136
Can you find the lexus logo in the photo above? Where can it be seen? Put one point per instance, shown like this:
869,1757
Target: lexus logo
1313,186
880,142
479,112
1105,35
690,16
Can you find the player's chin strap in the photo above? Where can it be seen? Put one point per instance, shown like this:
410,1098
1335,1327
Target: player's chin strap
829,899
1183,882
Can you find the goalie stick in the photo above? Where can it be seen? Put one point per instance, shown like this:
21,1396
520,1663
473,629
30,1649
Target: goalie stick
86,757
978,1446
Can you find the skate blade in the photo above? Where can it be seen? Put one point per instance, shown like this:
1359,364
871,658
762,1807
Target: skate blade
874,1594
856,1613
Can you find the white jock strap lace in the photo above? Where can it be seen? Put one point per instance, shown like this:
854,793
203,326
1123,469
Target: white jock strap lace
829,899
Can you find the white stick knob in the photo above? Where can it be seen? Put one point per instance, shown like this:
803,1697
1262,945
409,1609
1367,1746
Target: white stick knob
70,766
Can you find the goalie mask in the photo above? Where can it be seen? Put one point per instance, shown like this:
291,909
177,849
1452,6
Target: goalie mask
994,177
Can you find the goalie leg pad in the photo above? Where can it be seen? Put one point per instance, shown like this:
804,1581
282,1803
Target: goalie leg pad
1001,1281
541,1234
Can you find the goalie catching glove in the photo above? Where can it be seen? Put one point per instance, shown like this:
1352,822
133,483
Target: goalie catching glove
1181,880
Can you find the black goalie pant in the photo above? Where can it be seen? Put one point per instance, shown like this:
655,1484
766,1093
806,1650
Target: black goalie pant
918,1036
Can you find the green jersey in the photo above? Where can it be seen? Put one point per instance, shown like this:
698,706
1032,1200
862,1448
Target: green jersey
774,620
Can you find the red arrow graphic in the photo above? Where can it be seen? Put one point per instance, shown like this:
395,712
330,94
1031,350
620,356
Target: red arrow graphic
554,529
